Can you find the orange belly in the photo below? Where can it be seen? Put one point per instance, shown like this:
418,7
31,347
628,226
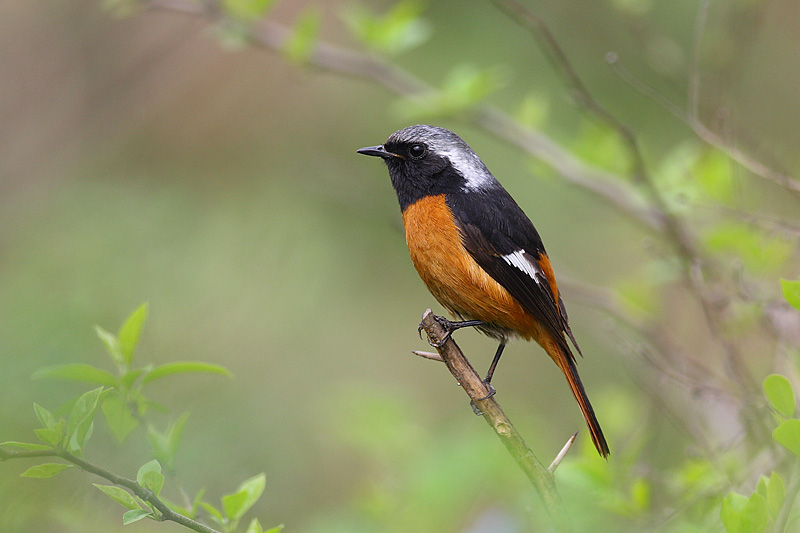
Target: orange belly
453,276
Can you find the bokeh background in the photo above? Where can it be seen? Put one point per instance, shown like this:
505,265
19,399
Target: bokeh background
146,158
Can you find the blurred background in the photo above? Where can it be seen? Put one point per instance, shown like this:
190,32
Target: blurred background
152,157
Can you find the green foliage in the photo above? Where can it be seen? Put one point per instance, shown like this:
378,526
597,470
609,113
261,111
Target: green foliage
149,476
745,514
300,45
712,172
129,517
247,10
119,495
124,402
601,145
690,175
791,291
165,444
780,394
533,110
740,514
236,504
757,250
398,30
123,405
46,470
464,87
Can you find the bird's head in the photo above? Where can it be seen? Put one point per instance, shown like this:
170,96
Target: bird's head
428,160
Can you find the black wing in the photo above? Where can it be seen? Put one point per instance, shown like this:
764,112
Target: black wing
504,242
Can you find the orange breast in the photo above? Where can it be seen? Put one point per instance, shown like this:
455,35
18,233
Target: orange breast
453,276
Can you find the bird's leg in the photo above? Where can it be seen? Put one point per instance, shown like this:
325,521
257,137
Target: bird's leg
449,327
490,373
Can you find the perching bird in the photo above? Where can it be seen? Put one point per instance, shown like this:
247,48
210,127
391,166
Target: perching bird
477,251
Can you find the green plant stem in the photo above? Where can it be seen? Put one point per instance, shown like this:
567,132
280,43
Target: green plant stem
542,479
130,484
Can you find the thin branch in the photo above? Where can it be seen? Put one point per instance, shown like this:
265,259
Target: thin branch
428,355
694,71
345,62
562,453
677,233
711,138
145,494
541,478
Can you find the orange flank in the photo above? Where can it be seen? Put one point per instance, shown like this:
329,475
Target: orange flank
458,283
454,278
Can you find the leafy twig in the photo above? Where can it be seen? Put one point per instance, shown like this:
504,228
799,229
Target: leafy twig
145,494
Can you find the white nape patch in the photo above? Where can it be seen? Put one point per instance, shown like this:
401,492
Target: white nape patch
518,260
469,165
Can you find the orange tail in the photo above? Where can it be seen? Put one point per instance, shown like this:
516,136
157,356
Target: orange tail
567,364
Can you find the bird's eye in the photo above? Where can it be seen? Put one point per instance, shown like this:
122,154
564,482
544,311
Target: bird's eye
417,150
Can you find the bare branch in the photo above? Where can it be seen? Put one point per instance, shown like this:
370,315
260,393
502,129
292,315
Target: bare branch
429,355
562,453
476,389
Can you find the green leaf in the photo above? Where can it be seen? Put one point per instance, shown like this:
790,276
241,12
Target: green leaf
77,372
79,423
184,367
232,504
149,476
118,416
26,445
299,47
45,417
754,514
248,493
791,291
134,516
758,250
255,527
400,29
49,436
780,394
45,470
129,332
787,434
533,110
464,87
776,493
601,145
730,512
216,515
165,445
247,10
128,378
113,348
712,169
119,495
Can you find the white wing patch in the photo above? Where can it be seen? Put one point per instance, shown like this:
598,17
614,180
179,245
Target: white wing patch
469,165
518,260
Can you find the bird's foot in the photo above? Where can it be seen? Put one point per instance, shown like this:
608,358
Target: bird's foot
449,327
475,408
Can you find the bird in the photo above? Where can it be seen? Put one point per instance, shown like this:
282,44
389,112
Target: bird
477,252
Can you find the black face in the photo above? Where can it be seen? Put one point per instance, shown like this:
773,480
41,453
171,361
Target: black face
417,171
